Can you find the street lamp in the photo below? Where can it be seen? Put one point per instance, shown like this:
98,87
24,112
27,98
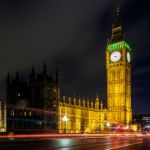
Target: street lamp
65,119
108,125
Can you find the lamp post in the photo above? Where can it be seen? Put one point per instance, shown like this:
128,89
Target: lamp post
65,119
108,125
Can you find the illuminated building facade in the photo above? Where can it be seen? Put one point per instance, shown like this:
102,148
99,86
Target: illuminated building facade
93,117
2,116
118,64
35,105
82,115
38,105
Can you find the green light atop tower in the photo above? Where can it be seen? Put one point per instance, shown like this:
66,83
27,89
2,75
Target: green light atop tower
118,45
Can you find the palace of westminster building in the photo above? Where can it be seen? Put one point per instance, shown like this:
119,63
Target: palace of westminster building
35,104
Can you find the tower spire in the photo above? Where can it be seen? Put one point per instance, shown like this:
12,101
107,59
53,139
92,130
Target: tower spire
101,104
117,17
97,102
117,30
97,97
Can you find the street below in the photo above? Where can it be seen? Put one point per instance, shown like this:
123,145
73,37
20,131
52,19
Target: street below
78,143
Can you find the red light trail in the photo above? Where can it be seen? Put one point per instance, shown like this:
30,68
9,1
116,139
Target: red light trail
24,136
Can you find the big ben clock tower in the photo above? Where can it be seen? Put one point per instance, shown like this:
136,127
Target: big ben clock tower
118,59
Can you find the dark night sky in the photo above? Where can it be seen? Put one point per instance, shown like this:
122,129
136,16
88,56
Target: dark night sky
72,34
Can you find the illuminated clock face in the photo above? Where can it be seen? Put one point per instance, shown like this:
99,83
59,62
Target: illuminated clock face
115,56
128,57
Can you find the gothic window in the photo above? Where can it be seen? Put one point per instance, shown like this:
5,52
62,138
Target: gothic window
25,113
12,112
30,113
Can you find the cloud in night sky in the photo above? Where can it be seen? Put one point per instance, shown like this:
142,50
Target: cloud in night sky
73,35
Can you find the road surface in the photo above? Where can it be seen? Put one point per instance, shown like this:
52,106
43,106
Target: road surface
86,143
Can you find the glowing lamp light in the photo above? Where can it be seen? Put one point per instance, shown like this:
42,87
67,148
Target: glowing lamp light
65,119
108,124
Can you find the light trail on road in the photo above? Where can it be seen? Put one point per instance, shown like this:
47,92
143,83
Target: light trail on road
126,145
48,135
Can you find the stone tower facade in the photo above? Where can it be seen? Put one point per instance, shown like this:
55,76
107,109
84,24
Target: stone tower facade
118,65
